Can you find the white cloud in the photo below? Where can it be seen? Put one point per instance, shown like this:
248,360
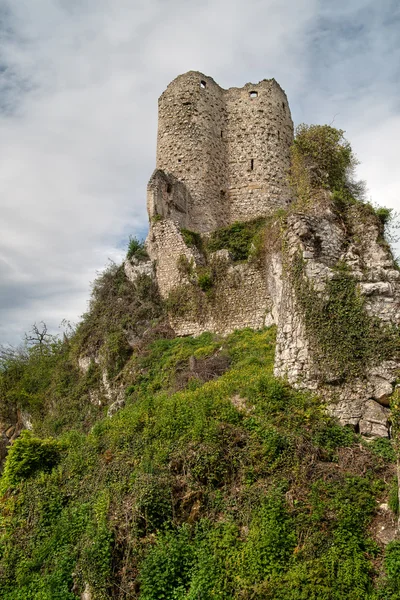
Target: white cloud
79,83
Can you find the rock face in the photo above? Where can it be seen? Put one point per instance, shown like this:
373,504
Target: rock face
322,241
223,156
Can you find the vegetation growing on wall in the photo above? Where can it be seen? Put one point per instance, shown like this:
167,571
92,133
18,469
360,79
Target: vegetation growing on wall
236,238
344,338
243,241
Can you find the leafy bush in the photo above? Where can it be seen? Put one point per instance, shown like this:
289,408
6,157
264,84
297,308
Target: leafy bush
204,280
384,214
192,239
118,309
30,455
383,447
236,238
392,566
136,249
323,158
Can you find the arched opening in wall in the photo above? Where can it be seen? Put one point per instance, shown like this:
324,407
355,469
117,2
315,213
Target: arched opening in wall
279,135
253,94
169,188
283,106
203,85
179,160
252,164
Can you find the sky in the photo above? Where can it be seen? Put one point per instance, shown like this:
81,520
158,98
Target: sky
79,83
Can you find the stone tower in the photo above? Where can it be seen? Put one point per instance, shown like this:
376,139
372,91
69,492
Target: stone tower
222,155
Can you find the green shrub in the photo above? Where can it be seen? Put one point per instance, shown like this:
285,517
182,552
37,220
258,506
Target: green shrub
136,249
392,563
332,436
28,456
192,239
384,214
383,447
204,280
323,158
270,542
236,238
166,571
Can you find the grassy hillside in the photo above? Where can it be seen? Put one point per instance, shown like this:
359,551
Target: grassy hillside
216,481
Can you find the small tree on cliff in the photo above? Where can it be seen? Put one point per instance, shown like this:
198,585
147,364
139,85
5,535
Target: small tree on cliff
322,159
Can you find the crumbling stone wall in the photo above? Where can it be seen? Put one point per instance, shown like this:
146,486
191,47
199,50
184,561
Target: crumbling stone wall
240,300
322,240
229,148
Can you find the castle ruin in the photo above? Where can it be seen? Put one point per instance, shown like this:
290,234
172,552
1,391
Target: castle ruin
223,156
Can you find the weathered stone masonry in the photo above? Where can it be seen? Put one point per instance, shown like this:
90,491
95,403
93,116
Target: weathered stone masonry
225,153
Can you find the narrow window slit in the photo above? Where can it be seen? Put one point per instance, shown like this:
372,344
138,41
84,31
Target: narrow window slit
203,85
252,164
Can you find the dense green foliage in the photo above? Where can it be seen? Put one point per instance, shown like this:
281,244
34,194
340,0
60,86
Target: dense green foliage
216,481
136,249
118,309
45,380
323,159
236,238
192,238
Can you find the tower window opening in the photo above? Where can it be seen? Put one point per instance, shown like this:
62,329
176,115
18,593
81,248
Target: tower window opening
283,105
169,188
179,160
252,164
253,94
221,132
203,85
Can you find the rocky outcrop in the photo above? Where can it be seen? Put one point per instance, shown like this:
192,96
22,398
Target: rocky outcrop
320,242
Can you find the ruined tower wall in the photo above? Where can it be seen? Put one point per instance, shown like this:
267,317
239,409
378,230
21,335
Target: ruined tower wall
259,133
190,145
230,148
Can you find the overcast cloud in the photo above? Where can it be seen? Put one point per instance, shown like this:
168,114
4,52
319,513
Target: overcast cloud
79,82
